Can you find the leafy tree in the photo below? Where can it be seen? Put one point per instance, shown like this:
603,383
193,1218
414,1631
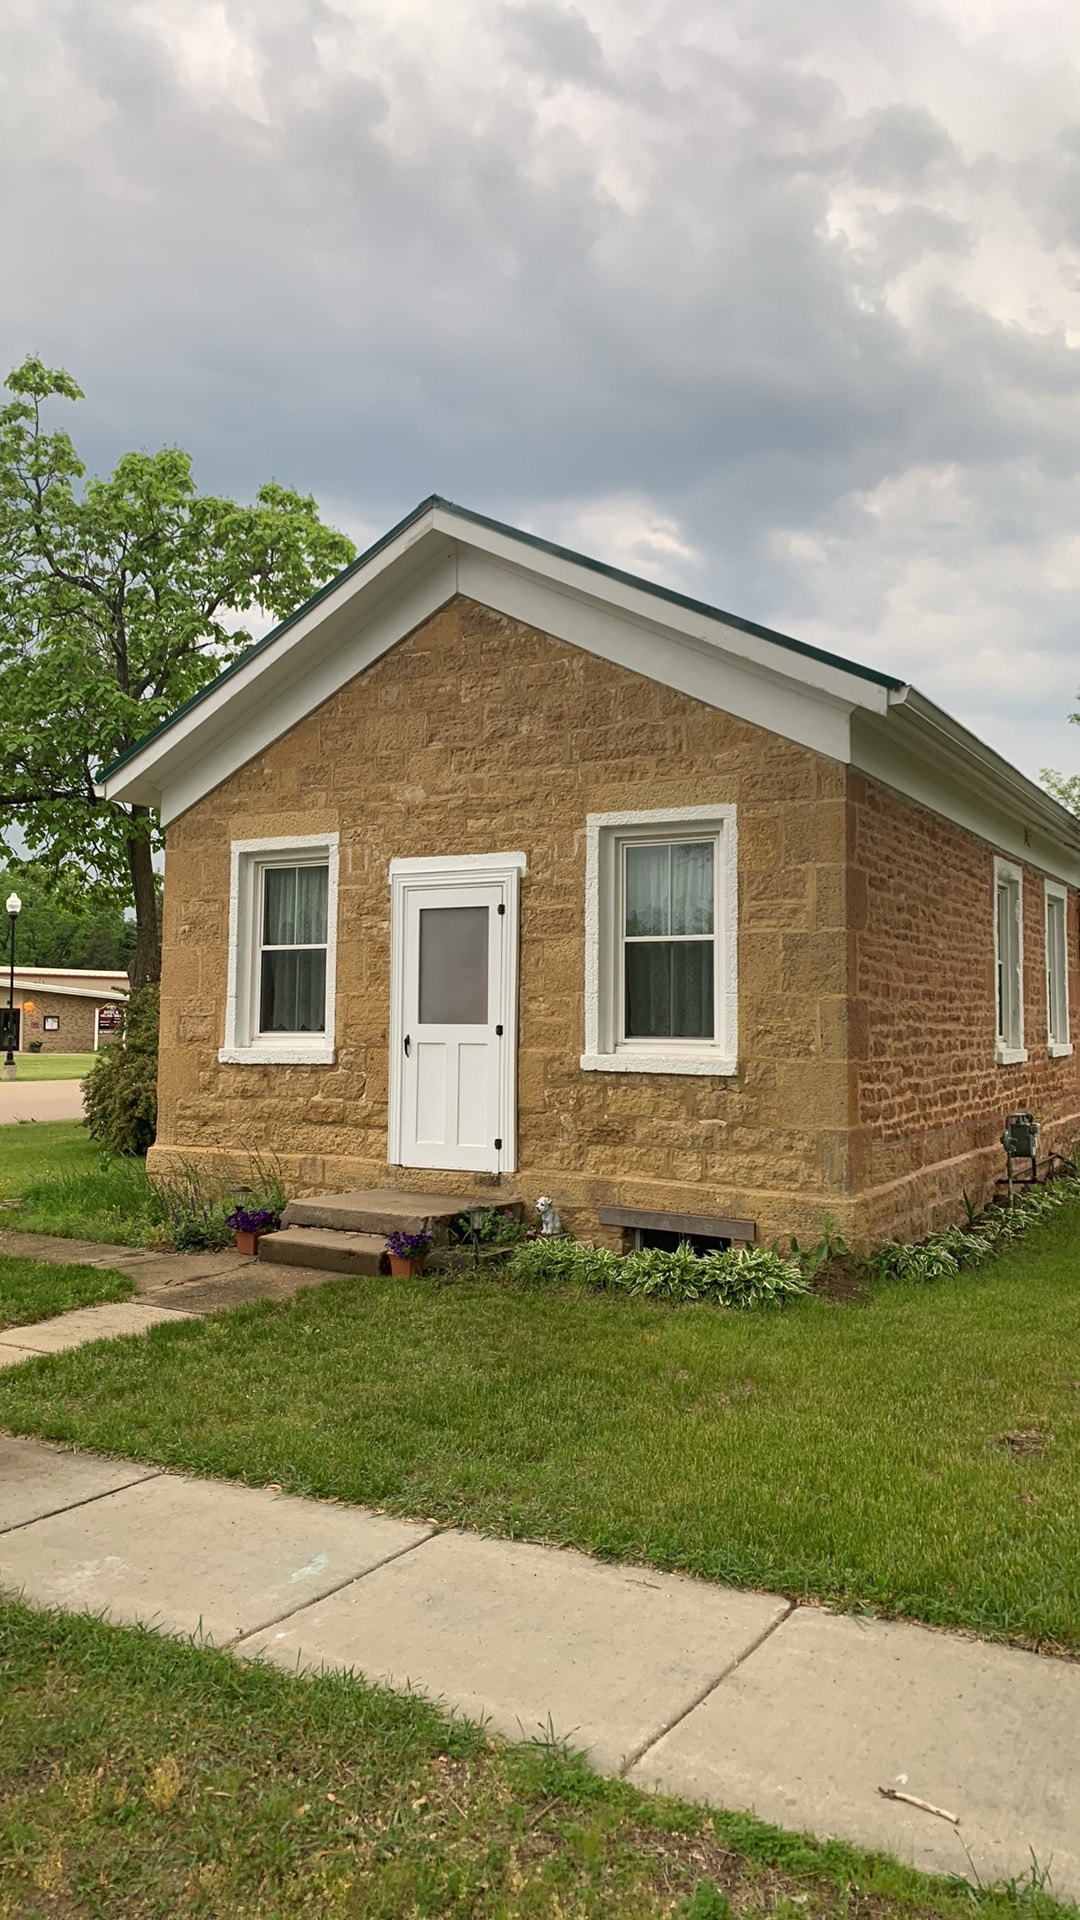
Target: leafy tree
68,931
117,603
1064,787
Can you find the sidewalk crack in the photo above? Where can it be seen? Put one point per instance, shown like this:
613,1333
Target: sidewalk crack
639,1752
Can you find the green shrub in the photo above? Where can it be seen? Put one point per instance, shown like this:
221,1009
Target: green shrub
120,1090
740,1277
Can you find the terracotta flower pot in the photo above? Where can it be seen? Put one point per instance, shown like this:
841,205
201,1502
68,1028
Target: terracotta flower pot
247,1242
404,1266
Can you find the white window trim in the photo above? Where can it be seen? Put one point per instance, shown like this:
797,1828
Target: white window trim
1057,1049
1005,1055
603,1052
463,869
243,1045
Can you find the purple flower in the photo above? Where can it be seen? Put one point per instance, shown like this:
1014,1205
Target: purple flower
259,1220
408,1246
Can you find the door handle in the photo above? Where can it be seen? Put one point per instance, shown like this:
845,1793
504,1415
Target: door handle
408,1044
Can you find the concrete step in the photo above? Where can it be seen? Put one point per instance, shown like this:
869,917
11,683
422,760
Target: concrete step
334,1252
382,1210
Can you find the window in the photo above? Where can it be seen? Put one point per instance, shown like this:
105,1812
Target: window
292,944
1057,969
668,968
1009,962
661,942
282,927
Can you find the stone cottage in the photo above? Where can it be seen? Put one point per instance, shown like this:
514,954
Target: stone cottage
498,871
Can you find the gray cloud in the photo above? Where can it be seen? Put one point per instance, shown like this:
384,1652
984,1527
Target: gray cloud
795,330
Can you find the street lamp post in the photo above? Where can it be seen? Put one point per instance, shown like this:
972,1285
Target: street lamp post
14,908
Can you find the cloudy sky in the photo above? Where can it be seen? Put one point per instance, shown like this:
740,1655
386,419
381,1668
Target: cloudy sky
777,303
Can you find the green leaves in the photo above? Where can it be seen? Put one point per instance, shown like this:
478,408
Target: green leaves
738,1277
119,600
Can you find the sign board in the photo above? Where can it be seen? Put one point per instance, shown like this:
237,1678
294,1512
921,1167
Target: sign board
52,1023
108,1019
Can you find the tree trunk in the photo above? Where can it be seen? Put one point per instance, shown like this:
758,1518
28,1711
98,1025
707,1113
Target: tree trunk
146,960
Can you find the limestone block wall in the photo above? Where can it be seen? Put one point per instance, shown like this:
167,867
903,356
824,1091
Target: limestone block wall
479,734
931,1098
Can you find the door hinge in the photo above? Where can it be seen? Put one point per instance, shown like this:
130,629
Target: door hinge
498,1146
502,906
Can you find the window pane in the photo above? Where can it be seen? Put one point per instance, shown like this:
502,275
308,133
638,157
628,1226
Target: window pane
669,990
692,887
312,884
648,890
453,966
279,910
1055,964
292,995
294,906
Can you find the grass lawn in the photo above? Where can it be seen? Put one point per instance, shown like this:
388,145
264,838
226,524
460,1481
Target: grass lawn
68,1186
33,1149
53,1066
144,1777
35,1290
919,1453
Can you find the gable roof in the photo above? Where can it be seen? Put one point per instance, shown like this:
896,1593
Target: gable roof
851,712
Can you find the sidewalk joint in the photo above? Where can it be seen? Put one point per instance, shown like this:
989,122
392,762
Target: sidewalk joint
351,1580
19,1526
699,1699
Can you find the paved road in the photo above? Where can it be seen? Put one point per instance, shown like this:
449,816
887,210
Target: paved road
740,1699
40,1100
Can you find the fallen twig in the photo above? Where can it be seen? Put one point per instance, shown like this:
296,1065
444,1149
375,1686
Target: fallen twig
925,1806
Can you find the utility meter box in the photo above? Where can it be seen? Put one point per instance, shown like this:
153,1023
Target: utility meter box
1021,1136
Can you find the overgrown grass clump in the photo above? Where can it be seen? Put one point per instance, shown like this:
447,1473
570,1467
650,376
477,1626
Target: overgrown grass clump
68,1187
143,1777
36,1290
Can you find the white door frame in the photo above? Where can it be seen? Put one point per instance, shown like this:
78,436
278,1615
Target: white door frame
463,869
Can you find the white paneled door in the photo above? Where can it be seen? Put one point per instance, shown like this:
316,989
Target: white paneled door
453,1031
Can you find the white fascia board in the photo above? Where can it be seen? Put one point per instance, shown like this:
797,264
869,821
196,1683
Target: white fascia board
699,666
31,987
293,684
922,753
287,660
792,694
661,615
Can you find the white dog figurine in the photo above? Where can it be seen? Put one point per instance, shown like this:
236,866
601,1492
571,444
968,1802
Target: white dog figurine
549,1219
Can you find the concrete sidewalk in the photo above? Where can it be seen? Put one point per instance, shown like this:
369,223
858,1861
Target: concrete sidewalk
738,1698
168,1286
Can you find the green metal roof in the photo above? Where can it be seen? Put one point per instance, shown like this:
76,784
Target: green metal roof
533,540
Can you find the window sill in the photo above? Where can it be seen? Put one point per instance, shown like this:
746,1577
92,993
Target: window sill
1059,1049
292,1054
713,1063
1010,1056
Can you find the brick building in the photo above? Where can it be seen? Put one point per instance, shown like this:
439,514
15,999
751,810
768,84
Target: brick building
496,869
64,1009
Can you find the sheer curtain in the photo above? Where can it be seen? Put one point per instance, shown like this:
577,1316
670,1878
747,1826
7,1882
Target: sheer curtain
668,965
293,975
